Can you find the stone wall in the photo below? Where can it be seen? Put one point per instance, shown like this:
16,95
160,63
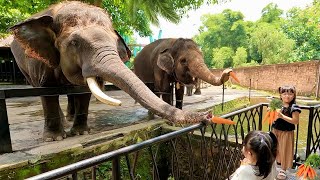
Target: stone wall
303,75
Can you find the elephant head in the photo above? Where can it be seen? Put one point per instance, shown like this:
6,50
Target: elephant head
79,40
183,59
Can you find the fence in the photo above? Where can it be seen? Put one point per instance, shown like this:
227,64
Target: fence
198,151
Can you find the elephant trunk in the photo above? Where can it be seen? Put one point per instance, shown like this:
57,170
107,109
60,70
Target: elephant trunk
201,71
111,69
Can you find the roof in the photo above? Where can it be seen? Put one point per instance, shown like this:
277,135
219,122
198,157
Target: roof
5,42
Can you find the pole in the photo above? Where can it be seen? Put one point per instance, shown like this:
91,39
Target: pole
222,97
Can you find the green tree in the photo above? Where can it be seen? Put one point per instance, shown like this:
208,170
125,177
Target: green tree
271,13
304,28
240,57
226,29
272,44
222,57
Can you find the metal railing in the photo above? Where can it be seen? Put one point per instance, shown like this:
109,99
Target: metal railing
196,152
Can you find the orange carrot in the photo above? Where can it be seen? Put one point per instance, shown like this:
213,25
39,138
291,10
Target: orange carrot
271,117
219,120
301,166
275,116
305,174
233,75
312,173
300,171
266,117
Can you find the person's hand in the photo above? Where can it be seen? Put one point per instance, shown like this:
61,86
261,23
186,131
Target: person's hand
280,115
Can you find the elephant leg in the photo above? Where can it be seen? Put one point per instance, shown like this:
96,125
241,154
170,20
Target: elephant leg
70,108
198,90
167,95
80,125
189,90
179,96
53,126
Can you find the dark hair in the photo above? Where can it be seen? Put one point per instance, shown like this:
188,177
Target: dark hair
290,89
264,146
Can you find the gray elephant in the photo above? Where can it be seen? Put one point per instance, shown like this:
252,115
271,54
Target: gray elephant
168,62
73,43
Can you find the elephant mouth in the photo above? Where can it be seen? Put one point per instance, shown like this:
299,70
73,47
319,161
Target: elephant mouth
101,96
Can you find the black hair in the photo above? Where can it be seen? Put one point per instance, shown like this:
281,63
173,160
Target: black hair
264,146
290,89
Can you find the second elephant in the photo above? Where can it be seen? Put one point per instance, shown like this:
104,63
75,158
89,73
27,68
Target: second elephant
179,62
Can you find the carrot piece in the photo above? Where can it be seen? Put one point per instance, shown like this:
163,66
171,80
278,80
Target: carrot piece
313,173
266,116
300,170
305,174
301,166
271,117
233,75
275,115
219,120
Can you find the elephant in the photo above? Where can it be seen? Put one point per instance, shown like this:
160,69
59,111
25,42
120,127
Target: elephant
170,62
197,91
73,43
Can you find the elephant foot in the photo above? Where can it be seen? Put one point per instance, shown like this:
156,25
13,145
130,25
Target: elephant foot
49,136
70,118
79,130
197,92
150,115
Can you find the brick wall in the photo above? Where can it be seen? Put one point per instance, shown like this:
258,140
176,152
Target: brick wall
303,75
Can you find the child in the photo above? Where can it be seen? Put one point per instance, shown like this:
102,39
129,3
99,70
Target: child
284,127
259,150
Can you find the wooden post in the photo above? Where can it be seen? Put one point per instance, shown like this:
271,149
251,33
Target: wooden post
5,139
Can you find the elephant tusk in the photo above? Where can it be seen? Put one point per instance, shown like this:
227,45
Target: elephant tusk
96,91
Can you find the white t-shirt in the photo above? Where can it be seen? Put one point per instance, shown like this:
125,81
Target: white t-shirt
247,172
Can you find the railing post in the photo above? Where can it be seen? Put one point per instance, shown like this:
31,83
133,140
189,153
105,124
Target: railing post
311,112
5,139
116,168
260,117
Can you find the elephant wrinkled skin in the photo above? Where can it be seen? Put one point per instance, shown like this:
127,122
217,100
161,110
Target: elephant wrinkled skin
174,61
73,43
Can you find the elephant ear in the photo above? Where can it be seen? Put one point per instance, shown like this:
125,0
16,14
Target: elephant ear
165,61
37,38
123,49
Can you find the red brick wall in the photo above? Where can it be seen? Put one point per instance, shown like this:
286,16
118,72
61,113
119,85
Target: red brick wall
303,75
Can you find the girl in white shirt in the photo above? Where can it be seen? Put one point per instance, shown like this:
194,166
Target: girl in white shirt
259,150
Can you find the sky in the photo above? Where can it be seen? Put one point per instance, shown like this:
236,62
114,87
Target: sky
189,25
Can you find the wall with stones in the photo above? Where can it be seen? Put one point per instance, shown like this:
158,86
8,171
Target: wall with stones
303,75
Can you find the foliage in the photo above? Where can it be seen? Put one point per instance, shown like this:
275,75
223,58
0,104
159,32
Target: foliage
271,13
222,57
240,57
272,44
274,38
221,30
12,12
303,26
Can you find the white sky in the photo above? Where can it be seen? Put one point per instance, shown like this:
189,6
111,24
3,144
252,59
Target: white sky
188,26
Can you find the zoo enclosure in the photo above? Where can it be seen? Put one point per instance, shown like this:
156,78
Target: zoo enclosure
216,155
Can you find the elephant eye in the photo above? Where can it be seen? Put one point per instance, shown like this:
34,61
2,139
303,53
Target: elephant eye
74,43
183,61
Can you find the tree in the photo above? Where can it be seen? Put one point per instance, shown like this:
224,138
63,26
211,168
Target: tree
240,57
272,44
222,57
271,13
304,28
226,29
